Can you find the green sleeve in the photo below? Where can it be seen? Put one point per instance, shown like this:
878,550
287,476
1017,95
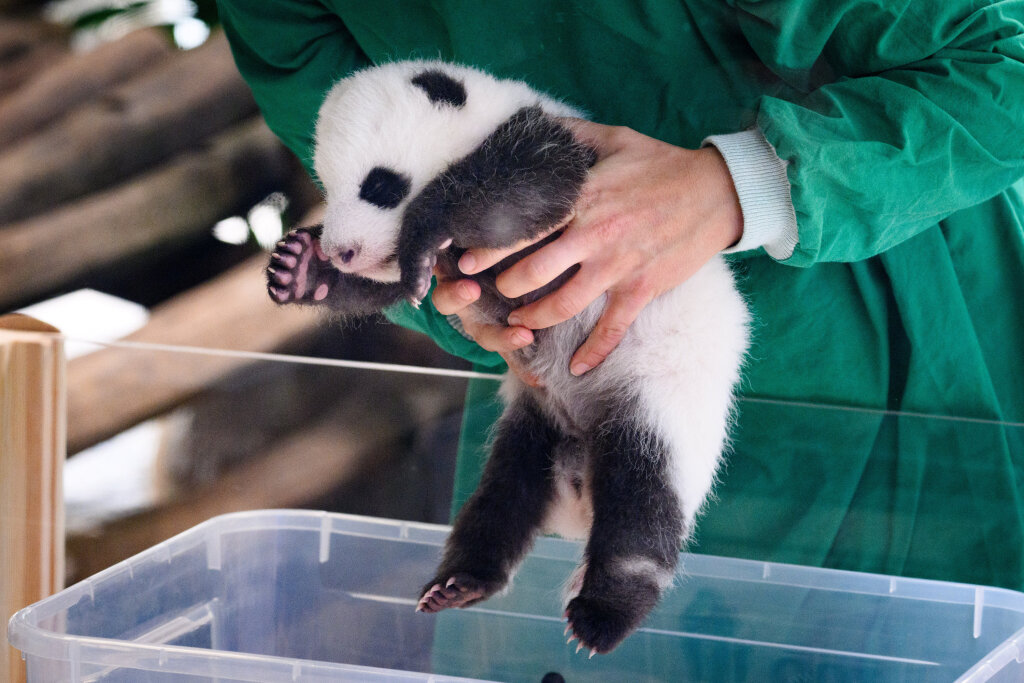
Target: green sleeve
427,320
290,52
911,110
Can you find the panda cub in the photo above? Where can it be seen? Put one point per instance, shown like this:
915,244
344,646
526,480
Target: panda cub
423,160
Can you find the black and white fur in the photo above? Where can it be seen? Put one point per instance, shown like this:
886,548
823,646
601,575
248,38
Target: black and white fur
423,160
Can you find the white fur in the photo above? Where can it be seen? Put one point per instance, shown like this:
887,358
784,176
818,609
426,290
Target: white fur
680,359
570,514
365,121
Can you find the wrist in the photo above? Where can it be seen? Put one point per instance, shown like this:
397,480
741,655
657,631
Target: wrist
724,203
762,185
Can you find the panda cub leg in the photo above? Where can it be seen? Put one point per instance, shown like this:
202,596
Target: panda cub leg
633,548
495,528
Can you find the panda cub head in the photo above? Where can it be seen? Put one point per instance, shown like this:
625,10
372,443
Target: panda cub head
384,133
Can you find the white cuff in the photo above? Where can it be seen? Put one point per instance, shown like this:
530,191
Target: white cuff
456,323
759,175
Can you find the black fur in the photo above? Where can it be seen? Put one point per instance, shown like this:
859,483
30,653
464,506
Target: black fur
384,188
441,88
637,516
500,519
523,179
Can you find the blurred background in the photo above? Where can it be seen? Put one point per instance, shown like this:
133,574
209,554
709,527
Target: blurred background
139,192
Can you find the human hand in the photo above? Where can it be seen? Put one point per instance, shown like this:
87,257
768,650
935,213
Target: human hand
650,215
454,296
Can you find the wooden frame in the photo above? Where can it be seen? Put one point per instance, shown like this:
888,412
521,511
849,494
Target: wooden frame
32,438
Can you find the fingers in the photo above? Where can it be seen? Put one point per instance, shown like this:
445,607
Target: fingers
451,296
476,260
540,267
567,301
498,338
622,308
618,315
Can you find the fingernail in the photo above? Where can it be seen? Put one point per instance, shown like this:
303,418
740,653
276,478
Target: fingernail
578,368
467,263
462,289
522,337
514,320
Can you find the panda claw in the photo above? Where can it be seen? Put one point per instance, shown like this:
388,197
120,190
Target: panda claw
291,245
280,278
298,270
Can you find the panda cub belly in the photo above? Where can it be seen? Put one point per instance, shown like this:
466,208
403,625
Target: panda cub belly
421,161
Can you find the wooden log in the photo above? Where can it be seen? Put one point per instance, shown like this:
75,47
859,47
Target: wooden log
177,203
27,46
126,130
366,433
113,389
11,5
252,486
77,78
31,461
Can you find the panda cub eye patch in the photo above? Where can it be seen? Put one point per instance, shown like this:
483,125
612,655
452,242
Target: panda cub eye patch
384,188
441,88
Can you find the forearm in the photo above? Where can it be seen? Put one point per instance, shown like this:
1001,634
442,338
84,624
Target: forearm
762,187
889,141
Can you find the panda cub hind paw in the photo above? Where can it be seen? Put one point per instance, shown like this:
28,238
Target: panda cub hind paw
299,271
599,625
461,589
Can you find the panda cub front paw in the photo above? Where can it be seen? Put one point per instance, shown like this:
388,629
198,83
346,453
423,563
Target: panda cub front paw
299,271
417,277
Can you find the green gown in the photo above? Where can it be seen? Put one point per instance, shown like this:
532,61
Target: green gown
903,127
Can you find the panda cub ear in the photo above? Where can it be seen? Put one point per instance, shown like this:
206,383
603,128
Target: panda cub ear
384,188
441,88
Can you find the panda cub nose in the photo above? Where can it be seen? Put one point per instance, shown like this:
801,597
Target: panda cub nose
346,254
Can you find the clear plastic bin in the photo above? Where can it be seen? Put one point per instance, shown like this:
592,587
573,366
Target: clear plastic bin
304,596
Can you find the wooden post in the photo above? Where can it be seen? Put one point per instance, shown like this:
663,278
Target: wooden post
32,415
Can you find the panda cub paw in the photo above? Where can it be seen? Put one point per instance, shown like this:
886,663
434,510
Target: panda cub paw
417,278
598,625
299,271
461,589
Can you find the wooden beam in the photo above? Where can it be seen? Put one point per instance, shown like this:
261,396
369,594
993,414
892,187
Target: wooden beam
231,311
173,205
365,431
31,461
76,78
27,46
129,128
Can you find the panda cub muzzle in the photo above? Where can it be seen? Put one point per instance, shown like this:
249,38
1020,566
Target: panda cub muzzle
421,161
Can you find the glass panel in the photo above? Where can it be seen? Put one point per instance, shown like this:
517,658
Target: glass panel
163,438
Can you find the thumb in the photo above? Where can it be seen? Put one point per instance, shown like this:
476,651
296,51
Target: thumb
596,135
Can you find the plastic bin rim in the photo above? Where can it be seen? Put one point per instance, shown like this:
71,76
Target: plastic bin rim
27,636
24,633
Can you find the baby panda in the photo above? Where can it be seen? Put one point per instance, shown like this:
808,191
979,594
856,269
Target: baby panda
422,160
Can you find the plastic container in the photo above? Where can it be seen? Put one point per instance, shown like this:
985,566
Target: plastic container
304,596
